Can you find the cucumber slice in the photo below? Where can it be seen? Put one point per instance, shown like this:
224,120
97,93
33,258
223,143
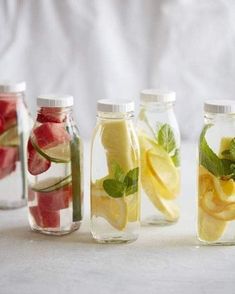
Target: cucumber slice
51,184
10,137
57,154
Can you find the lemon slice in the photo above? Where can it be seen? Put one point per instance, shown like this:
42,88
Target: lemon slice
209,228
60,153
10,137
114,210
51,184
133,205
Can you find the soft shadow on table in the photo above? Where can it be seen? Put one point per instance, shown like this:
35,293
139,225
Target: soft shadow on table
24,233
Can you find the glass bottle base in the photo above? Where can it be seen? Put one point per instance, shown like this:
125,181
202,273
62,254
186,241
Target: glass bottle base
216,243
114,238
57,232
7,205
158,221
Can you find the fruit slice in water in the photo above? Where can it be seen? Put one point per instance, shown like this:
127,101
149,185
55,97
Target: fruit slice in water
10,137
8,158
45,218
37,164
224,145
209,228
115,137
8,107
55,200
49,135
114,210
51,184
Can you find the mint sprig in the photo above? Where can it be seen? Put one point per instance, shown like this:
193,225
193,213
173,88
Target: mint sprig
166,138
122,184
230,153
223,168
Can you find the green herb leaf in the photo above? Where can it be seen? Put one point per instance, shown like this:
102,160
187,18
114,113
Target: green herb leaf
131,181
166,138
119,174
114,188
232,149
218,167
176,158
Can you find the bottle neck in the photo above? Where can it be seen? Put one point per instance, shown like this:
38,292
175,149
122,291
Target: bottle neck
212,118
157,106
54,114
115,115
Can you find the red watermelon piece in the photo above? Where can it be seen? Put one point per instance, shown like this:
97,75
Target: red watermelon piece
37,164
49,135
55,200
8,156
44,218
8,114
48,114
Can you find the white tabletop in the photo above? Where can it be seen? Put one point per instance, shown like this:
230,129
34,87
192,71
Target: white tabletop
162,260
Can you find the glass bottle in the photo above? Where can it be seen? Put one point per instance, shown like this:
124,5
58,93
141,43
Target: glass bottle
55,192
14,131
216,174
115,185
159,139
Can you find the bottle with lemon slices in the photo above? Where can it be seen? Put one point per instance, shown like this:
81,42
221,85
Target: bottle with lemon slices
14,131
115,174
216,174
55,191
159,140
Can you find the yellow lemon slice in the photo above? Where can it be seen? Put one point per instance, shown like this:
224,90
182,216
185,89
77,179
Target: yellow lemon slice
209,228
114,210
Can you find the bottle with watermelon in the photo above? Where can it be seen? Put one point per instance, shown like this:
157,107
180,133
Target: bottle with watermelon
55,190
216,174
159,139
115,185
14,131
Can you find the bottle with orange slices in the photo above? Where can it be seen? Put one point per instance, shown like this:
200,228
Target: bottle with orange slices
159,139
115,168
216,174
55,190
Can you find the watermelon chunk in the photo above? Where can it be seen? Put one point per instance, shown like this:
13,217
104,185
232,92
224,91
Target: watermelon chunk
8,113
49,135
8,158
44,218
55,200
48,114
37,164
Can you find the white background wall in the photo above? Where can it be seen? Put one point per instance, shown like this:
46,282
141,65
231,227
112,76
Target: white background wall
114,48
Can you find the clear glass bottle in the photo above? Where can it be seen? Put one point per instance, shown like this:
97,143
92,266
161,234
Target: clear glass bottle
159,139
55,191
115,185
14,131
216,174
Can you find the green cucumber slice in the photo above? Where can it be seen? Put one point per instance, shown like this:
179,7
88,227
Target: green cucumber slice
51,184
10,137
58,154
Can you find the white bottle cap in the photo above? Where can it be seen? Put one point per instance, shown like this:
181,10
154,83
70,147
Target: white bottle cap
219,106
11,87
52,100
155,95
109,105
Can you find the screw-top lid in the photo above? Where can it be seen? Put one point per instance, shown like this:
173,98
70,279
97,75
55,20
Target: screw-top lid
109,105
11,87
219,106
52,100
155,95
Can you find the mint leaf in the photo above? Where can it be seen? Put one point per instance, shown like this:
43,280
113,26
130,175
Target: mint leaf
131,181
114,188
218,167
232,149
166,138
119,174
176,158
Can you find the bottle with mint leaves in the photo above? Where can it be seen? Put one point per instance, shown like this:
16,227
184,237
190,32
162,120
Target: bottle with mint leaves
115,174
159,140
216,174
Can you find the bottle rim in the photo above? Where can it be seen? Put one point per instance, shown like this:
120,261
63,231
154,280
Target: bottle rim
54,100
224,106
112,105
12,87
157,95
